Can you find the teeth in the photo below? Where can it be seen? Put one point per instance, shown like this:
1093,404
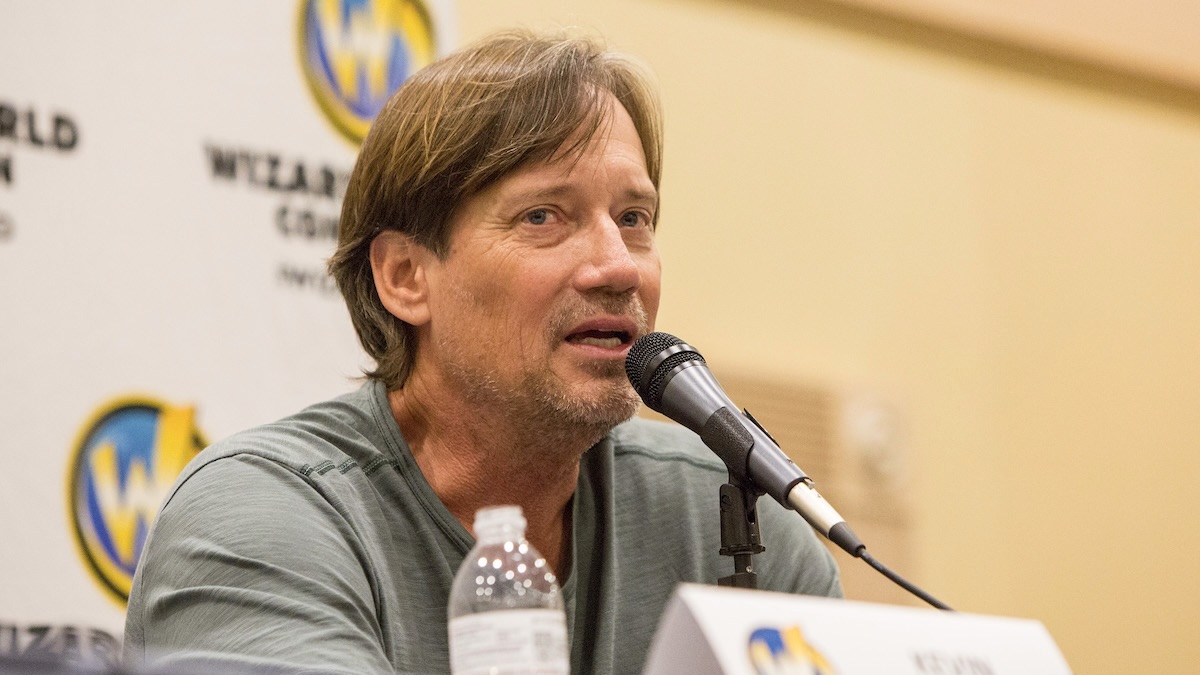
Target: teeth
600,342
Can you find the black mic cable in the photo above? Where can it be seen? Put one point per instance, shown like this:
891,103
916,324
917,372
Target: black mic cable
673,378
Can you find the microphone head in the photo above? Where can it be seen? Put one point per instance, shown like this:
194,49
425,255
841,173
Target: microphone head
651,359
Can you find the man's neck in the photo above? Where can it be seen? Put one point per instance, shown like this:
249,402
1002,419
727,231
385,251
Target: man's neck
472,459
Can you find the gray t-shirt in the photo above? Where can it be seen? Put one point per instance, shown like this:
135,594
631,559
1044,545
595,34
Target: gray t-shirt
315,544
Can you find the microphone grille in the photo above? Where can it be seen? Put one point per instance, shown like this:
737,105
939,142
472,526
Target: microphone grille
642,351
646,350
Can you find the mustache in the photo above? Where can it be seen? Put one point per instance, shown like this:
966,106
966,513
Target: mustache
579,309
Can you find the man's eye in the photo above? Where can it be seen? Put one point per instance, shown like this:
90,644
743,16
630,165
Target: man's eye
633,219
537,216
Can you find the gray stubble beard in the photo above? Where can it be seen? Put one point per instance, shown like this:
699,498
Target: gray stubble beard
548,415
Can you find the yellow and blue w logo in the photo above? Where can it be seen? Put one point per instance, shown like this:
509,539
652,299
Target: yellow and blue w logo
785,652
355,53
127,458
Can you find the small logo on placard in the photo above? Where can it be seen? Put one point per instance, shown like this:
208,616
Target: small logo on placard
355,53
127,457
786,651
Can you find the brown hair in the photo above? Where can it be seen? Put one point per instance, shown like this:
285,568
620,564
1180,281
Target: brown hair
454,129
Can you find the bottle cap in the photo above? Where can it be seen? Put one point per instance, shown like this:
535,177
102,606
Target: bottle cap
499,523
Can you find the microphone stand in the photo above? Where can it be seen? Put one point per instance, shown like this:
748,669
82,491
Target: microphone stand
740,536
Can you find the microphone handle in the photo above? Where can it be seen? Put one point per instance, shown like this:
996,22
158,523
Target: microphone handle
734,442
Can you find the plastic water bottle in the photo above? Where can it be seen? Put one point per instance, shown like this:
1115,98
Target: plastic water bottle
506,611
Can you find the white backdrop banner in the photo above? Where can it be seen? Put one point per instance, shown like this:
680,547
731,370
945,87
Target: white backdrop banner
171,175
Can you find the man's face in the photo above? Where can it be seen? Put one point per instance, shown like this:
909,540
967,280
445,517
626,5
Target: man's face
551,275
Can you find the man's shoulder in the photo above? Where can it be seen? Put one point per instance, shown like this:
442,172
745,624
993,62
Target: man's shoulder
332,437
650,441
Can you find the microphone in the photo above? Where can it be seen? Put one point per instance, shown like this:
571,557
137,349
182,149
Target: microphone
673,378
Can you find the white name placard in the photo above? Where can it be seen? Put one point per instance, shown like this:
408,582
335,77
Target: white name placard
708,630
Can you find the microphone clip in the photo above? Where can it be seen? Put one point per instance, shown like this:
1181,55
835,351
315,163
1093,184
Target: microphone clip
740,535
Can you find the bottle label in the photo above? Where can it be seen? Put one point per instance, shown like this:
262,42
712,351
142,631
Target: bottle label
510,642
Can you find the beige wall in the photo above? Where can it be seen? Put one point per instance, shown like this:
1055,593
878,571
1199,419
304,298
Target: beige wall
1156,40
1008,254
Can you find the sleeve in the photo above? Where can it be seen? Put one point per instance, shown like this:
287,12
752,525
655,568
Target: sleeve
249,568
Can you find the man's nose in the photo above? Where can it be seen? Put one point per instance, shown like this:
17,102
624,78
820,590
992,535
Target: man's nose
609,264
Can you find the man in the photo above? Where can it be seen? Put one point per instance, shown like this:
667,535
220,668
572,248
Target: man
498,259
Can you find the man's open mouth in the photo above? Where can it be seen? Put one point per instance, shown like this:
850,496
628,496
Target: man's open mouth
610,339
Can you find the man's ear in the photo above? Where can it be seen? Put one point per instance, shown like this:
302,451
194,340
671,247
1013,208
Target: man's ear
398,265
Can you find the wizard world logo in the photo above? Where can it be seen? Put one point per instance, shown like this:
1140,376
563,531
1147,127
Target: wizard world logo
355,53
127,457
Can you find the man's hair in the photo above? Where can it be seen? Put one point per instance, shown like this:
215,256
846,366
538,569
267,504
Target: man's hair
457,127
